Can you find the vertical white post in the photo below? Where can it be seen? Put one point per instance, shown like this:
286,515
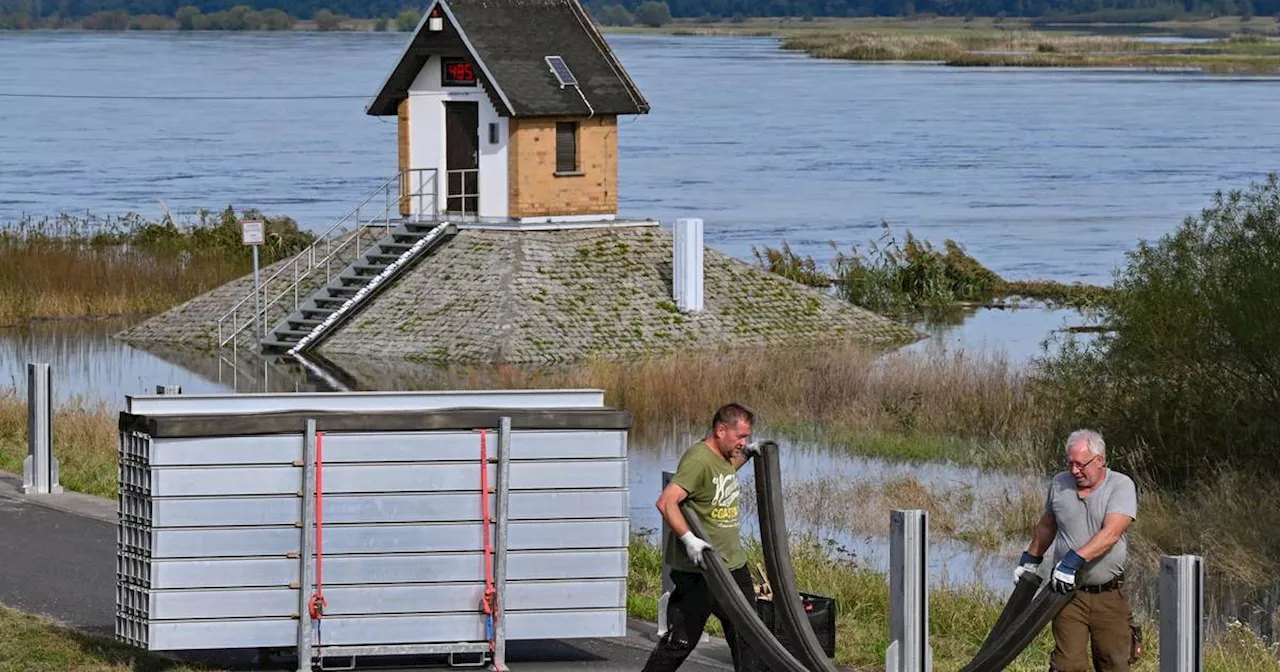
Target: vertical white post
40,468
686,266
1181,613
909,649
257,302
253,233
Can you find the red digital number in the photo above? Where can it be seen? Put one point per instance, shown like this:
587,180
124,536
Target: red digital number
461,72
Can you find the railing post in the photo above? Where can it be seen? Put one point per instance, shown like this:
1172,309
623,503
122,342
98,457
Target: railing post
1181,613
909,649
40,468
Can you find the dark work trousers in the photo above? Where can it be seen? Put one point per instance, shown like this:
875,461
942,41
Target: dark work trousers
687,610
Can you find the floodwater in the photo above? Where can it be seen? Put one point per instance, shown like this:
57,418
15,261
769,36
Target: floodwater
1039,173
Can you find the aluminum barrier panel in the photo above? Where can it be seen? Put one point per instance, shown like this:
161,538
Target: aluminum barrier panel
213,511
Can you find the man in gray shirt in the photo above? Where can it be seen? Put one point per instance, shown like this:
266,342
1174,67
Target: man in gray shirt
1087,510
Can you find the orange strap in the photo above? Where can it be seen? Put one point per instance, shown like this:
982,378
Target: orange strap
486,603
318,603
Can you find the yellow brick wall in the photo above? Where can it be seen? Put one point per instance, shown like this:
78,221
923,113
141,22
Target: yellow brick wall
534,188
402,154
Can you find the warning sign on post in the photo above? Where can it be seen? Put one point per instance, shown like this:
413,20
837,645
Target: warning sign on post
252,232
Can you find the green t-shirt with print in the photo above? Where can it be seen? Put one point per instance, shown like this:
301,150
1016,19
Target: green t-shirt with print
712,484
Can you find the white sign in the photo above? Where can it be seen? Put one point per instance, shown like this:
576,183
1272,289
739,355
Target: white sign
252,233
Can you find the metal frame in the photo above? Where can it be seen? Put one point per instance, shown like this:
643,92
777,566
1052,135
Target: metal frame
909,649
502,514
462,194
1181,613
40,468
307,560
367,402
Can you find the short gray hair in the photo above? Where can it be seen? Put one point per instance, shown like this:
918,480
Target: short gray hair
1091,438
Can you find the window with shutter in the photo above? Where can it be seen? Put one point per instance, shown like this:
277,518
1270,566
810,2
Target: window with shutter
566,147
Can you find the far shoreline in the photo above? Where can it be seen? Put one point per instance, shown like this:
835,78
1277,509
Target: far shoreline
1222,45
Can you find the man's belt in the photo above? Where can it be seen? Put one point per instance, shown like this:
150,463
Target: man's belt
1104,587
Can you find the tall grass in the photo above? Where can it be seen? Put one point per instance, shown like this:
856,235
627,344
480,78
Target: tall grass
913,277
68,267
960,405
85,441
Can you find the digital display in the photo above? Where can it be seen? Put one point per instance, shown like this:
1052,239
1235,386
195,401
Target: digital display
457,72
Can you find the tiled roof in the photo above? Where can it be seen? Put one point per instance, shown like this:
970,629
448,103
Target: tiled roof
511,40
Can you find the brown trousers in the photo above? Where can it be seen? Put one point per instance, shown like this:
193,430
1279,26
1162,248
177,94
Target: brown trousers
1101,617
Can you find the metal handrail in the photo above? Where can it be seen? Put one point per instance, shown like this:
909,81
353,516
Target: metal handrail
380,220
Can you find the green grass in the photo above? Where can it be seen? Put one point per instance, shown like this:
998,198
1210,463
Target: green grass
32,644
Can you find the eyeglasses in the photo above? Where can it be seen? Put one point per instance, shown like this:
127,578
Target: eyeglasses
1069,465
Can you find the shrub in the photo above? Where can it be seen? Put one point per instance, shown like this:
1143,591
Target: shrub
1188,378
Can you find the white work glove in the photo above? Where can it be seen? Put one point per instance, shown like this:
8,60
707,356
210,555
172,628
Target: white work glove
694,547
1028,564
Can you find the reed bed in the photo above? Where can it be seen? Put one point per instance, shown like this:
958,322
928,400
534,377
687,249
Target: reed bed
1031,48
69,267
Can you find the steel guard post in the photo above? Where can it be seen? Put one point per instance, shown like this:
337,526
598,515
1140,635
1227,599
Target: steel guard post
1181,613
909,649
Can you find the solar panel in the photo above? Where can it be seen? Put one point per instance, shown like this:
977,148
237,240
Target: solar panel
561,71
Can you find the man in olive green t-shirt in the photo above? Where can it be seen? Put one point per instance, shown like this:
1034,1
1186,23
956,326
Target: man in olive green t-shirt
706,481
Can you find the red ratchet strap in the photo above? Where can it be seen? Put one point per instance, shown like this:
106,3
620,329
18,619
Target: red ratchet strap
317,602
486,603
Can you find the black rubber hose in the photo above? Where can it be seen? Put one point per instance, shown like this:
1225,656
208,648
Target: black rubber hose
1008,646
1023,592
745,619
787,604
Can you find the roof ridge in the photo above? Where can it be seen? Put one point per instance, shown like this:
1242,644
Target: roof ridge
506,328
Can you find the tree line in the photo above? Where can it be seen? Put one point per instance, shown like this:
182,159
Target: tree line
394,14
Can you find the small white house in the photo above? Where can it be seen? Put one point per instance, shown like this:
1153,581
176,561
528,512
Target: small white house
508,111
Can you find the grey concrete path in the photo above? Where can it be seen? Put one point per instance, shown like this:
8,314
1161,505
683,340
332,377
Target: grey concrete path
57,559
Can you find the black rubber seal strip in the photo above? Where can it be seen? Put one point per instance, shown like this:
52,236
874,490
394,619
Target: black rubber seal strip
745,619
1018,601
1008,646
777,558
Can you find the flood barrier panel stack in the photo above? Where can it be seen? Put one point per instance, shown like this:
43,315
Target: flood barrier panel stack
210,552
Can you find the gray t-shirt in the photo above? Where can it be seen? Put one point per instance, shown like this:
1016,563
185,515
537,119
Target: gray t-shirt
1080,519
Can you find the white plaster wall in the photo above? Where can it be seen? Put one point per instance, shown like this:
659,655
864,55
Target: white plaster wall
426,137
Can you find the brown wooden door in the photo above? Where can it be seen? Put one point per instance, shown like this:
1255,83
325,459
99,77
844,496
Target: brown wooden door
462,157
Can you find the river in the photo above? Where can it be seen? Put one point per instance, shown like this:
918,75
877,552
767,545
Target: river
1039,173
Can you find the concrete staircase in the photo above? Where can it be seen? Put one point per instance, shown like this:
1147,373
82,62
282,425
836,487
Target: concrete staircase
330,305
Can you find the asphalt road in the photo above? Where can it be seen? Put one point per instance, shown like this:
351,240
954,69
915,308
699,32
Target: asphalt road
57,554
